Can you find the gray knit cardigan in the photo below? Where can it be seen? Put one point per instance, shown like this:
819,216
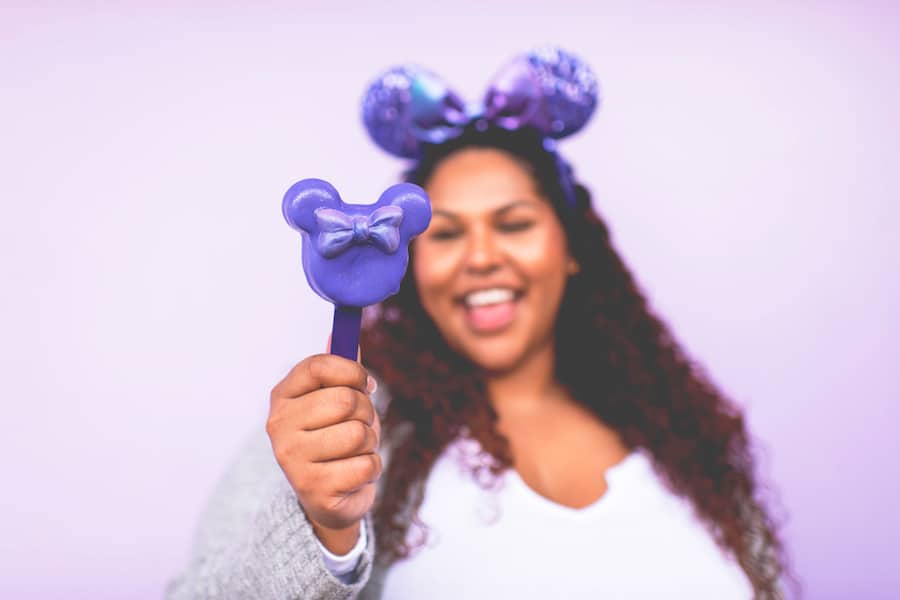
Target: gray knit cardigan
254,542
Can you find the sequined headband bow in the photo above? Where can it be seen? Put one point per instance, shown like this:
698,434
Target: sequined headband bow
547,89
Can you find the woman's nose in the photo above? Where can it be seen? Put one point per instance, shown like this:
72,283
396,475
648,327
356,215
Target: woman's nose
483,253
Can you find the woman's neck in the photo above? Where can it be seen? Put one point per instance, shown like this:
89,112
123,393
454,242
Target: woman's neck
528,387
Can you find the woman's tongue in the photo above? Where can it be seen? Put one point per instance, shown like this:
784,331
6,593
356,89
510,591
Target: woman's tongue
491,317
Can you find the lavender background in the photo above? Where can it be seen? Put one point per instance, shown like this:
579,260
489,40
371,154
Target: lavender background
746,158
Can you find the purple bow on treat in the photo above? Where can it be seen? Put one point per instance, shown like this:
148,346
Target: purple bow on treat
547,89
354,255
338,231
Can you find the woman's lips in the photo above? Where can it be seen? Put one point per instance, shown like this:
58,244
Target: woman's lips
491,318
490,310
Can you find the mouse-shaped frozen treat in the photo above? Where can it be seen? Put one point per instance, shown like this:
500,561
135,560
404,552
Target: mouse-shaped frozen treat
354,255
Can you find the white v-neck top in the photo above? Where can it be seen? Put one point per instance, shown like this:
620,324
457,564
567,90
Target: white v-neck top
637,541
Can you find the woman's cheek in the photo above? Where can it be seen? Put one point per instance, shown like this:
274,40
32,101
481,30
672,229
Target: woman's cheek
444,258
531,249
434,266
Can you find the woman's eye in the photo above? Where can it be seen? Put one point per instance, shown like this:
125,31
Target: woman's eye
515,226
445,234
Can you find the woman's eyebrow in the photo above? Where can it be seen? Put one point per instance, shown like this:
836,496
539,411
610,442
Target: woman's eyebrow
445,214
514,204
496,212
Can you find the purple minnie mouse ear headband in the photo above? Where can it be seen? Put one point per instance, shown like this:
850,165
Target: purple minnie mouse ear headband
547,89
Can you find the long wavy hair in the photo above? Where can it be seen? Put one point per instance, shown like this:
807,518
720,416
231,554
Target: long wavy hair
613,355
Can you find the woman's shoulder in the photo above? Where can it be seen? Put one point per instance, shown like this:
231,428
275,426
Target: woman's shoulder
244,485
666,527
254,461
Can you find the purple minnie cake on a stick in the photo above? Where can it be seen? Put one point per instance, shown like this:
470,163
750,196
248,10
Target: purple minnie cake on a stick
354,255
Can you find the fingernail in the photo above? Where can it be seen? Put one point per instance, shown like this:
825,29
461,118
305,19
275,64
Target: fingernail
371,384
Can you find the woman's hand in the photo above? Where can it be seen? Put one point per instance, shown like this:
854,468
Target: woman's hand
325,432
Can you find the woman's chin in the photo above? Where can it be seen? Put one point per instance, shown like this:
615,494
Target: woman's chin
495,359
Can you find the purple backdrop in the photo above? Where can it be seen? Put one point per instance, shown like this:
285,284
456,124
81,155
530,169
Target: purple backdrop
746,157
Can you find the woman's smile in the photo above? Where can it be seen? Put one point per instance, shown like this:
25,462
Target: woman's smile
490,310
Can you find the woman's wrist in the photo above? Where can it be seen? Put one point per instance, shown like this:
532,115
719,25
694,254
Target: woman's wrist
338,541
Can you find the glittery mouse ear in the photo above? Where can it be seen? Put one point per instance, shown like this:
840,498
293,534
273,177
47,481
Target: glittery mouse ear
303,199
548,89
406,106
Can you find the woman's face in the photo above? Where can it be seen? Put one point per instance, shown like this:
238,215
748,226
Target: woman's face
492,266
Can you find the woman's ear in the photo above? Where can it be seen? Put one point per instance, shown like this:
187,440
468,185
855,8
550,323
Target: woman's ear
572,266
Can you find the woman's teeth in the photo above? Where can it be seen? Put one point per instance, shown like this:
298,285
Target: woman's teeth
488,297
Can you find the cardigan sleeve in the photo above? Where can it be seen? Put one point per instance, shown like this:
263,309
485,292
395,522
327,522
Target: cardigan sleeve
254,541
343,566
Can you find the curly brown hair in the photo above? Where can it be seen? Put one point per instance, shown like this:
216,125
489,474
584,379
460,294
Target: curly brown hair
614,356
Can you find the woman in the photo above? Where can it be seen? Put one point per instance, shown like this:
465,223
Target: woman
543,433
